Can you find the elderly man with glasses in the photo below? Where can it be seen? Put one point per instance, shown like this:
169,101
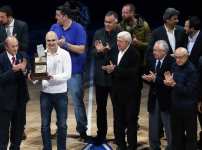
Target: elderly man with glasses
182,80
159,98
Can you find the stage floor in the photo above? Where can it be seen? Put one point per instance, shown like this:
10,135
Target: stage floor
33,125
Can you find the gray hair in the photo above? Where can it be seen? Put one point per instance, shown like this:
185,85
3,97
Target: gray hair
169,12
162,45
126,35
113,13
185,51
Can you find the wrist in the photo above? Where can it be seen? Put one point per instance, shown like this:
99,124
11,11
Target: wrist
173,84
66,44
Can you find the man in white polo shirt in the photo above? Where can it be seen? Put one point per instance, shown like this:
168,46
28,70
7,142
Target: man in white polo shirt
54,91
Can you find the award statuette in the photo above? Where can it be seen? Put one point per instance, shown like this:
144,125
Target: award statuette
40,65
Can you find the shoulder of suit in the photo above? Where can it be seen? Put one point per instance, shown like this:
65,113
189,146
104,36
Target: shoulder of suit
22,53
20,22
100,30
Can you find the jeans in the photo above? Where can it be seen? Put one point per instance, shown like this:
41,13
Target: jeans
59,101
75,86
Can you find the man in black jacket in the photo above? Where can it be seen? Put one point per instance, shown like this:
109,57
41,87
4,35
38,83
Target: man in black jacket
159,98
124,67
170,32
104,44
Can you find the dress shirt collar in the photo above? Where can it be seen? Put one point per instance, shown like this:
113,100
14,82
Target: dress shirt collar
123,52
11,24
10,57
168,30
56,53
160,60
194,38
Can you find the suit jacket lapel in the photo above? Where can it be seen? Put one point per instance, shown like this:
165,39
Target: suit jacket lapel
3,32
125,56
197,42
15,27
18,57
7,61
166,39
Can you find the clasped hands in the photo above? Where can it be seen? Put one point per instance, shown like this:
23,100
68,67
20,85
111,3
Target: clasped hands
101,48
169,81
109,68
21,65
150,77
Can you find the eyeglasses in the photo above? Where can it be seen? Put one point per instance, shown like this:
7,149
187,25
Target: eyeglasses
180,57
155,50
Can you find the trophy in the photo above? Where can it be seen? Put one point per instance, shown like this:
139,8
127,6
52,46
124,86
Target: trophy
40,65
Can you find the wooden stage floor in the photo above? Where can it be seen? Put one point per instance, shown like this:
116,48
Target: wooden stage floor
33,125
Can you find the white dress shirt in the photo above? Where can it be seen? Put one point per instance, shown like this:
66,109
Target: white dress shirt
120,55
171,38
59,65
191,42
11,26
10,58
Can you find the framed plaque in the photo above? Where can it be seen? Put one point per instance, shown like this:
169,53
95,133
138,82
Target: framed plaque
40,65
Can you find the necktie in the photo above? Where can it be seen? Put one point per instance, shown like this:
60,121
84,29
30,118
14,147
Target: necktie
13,58
8,31
158,67
155,91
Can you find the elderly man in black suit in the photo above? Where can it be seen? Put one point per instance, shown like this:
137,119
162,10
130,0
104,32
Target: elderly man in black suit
104,39
159,98
11,26
170,32
124,66
14,68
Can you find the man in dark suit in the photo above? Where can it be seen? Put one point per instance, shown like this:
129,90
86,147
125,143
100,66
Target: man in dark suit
170,32
193,42
124,67
11,26
105,38
159,98
14,68
194,47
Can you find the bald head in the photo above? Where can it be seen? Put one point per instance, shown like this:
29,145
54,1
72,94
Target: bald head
51,41
51,33
11,45
181,56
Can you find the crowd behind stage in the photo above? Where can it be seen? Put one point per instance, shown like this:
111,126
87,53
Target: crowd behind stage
126,55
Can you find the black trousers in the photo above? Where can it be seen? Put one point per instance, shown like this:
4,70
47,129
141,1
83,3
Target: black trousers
184,120
140,87
17,119
101,100
125,112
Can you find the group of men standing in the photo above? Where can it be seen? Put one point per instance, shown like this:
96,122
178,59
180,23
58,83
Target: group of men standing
126,54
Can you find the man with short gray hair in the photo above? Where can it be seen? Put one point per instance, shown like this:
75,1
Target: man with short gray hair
124,69
159,97
182,80
173,34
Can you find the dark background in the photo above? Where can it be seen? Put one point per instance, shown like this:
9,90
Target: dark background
39,14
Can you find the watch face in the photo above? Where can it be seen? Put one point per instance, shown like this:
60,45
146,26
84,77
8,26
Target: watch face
40,68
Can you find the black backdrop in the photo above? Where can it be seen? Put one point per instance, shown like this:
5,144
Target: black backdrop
39,14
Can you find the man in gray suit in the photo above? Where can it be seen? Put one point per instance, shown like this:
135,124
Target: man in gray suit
104,44
11,26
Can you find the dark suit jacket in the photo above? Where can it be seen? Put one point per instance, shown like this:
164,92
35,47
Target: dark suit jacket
101,77
125,75
163,94
21,29
196,50
160,34
12,84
